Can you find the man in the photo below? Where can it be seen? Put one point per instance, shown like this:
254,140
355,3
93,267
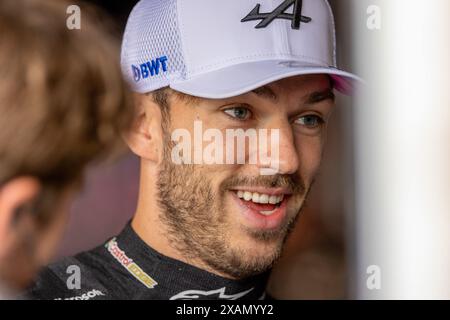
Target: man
203,71
63,103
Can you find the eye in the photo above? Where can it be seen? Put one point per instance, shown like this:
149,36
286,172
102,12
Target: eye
310,121
239,112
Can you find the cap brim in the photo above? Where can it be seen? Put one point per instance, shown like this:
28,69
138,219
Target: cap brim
242,78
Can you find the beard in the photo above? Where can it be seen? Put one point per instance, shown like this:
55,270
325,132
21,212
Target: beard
197,224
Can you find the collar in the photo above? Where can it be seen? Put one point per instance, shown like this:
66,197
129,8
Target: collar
167,278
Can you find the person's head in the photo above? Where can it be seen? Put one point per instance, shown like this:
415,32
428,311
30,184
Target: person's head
218,79
63,103
200,205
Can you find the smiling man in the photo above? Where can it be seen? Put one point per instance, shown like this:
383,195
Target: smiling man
214,229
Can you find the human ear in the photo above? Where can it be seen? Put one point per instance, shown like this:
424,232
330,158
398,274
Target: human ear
145,137
15,195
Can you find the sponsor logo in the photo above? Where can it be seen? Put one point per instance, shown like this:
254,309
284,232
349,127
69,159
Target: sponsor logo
150,68
215,294
128,264
279,13
85,296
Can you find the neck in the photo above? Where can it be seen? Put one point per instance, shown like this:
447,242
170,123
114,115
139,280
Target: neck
149,227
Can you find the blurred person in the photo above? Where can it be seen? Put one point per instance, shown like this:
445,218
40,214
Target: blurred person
202,230
63,104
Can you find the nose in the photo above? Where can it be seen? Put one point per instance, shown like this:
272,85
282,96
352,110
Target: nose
284,158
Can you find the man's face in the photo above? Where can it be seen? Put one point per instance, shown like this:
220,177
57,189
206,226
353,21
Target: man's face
229,216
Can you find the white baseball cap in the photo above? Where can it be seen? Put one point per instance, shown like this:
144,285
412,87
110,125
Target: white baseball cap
220,49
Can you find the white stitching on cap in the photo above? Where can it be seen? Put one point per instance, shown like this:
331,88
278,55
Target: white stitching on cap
269,55
334,32
181,73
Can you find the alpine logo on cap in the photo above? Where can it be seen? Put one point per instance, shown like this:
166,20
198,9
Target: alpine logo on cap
279,13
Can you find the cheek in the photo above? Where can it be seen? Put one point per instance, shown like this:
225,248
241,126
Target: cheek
309,150
215,175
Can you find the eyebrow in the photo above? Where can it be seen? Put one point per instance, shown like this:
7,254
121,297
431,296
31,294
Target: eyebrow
265,92
315,97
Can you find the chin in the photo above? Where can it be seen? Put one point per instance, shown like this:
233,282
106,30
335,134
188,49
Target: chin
256,245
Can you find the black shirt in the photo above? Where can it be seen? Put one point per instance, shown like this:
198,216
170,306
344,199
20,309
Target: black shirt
125,267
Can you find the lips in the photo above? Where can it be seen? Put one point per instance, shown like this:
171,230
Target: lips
261,202
265,209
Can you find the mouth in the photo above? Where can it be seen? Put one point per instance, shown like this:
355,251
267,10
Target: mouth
262,208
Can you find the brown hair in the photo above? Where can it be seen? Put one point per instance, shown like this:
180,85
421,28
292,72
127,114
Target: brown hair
63,102
165,96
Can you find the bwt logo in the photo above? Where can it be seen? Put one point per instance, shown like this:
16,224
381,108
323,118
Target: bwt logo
150,68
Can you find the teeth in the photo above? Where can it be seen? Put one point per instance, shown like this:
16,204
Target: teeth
267,213
264,198
273,199
260,198
247,196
